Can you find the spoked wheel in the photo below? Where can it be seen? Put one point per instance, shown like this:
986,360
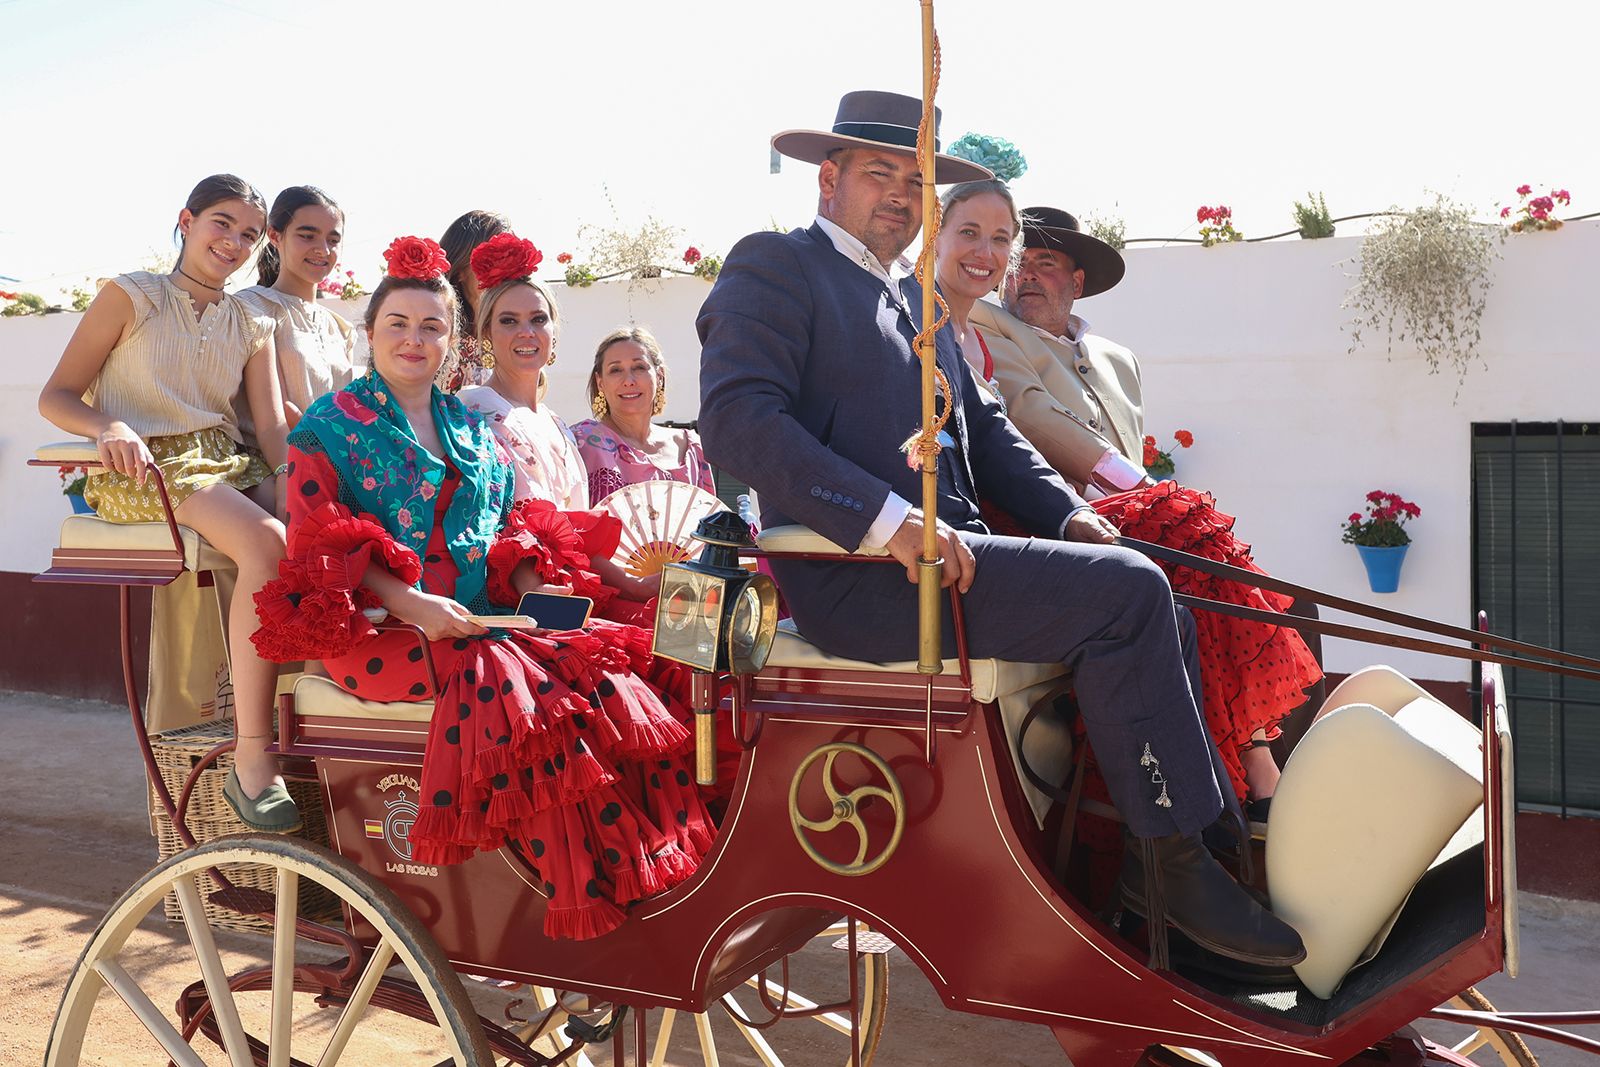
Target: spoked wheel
301,996
1485,1041
749,1031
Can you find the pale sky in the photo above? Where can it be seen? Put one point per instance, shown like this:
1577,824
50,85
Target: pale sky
410,113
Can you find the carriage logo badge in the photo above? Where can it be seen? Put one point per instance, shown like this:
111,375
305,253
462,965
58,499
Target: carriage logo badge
400,813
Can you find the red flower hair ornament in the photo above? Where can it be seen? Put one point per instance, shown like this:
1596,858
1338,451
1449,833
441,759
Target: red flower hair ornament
415,257
503,257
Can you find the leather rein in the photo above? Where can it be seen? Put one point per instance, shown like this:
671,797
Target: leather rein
1490,648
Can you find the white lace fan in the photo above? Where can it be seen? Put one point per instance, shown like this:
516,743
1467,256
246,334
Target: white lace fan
658,523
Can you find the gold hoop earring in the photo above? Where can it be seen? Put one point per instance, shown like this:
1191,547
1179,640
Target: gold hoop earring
661,400
598,405
486,354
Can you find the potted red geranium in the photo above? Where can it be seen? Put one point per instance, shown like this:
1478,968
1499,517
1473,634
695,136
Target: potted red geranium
1158,462
1380,537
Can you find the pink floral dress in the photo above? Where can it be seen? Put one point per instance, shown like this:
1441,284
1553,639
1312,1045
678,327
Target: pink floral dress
613,463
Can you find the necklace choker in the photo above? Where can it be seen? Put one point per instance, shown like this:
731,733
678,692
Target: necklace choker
197,281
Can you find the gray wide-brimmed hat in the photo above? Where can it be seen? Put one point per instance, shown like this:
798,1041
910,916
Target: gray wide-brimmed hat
1050,227
869,119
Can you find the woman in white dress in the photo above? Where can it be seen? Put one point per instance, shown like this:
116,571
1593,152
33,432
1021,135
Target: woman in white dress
518,327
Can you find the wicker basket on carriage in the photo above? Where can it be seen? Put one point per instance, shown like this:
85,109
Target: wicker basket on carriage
209,817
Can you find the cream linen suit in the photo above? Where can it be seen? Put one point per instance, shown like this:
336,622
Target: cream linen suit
1070,402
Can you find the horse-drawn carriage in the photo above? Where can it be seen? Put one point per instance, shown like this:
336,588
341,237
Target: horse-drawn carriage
873,805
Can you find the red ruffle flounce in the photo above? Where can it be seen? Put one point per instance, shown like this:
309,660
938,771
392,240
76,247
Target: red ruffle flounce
1252,674
313,609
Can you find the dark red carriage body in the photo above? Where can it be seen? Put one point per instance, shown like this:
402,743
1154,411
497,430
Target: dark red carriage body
967,894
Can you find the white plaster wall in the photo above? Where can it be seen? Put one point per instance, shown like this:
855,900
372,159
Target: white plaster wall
1241,344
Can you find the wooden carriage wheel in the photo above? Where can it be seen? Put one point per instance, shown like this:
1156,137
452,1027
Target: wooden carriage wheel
1509,1047
727,1031
248,998
807,1034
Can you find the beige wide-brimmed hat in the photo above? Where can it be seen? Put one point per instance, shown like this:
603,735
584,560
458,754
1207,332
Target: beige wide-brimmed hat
869,119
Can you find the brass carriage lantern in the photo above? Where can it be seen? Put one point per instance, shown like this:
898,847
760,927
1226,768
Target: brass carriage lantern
714,615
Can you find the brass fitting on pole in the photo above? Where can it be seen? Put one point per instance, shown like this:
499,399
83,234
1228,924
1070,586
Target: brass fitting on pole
930,656
703,700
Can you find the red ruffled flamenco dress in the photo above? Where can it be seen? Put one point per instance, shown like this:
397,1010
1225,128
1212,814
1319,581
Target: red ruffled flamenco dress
1252,675
551,743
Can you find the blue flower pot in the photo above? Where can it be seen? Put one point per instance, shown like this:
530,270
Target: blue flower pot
1383,566
80,506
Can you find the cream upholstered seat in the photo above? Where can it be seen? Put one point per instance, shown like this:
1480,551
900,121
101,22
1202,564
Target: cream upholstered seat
315,695
1377,791
802,539
991,678
91,531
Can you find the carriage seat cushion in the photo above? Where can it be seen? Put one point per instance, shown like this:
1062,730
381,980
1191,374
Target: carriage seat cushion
315,695
801,539
1366,804
91,531
991,678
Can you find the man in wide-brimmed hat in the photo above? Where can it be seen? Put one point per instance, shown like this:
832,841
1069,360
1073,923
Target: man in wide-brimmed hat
809,384
1074,395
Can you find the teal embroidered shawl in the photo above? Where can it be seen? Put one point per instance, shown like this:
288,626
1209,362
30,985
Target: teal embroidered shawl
386,474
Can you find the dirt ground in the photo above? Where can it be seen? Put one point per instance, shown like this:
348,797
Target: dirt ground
75,837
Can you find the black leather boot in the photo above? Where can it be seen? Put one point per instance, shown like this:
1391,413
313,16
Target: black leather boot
1175,880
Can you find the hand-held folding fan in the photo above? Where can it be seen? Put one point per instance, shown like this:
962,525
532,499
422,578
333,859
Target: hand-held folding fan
658,522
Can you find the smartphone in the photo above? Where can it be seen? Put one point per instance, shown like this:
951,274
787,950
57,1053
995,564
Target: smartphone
555,611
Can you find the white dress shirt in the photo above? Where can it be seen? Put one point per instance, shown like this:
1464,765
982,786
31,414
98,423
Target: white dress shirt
896,507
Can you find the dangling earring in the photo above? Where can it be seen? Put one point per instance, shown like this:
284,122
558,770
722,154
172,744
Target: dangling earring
551,362
598,405
486,354
661,400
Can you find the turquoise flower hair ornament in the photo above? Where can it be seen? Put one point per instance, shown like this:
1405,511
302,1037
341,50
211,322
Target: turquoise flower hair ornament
996,153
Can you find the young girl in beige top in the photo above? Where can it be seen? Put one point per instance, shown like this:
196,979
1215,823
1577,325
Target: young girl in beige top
160,358
315,347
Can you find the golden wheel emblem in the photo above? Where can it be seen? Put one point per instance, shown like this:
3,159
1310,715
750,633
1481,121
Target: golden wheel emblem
846,809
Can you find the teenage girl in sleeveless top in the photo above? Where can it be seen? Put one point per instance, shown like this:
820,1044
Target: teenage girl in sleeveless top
314,345
160,358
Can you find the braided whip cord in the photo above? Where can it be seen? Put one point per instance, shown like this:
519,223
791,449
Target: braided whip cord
923,445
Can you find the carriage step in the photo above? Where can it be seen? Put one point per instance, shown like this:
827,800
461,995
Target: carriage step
868,943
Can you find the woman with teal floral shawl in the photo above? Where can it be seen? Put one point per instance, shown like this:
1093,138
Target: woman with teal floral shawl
399,499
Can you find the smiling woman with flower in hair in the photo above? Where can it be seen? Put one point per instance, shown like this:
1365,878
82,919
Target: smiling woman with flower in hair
519,326
401,497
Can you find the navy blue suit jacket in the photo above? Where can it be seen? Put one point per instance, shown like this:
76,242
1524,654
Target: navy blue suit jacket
809,384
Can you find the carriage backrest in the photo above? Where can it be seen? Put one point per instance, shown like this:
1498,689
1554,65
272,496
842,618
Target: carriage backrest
1377,792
